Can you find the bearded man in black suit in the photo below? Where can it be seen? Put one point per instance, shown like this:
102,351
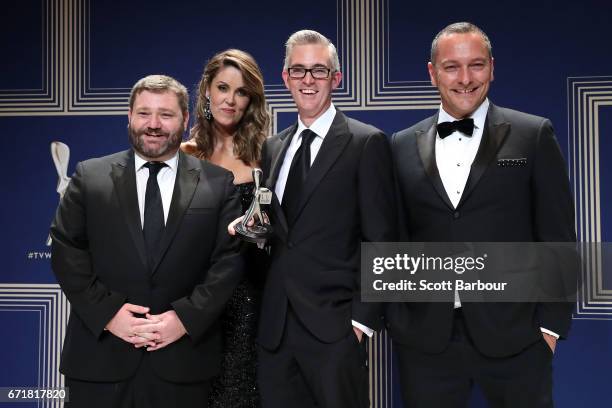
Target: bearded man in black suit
141,250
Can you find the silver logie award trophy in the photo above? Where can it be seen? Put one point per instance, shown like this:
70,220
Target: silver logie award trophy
260,230
60,153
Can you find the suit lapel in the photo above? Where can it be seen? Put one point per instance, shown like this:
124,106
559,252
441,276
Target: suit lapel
282,228
187,178
333,144
426,142
494,133
123,175
277,154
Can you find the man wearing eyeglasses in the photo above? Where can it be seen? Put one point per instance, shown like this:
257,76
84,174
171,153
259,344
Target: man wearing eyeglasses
333,185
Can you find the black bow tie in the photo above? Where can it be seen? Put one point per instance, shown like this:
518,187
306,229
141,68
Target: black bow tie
465,126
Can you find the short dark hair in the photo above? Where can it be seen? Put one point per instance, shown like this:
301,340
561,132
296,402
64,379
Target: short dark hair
161,83
459,28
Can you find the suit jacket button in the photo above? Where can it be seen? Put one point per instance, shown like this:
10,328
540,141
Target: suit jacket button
456,215
290,245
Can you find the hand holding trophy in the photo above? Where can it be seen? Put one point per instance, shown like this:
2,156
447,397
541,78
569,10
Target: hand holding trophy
255,224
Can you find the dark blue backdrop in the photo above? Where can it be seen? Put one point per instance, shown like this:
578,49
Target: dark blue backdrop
67,66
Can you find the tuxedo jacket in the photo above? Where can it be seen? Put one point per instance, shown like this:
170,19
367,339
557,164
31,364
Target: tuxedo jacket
99,259
530,202
347,198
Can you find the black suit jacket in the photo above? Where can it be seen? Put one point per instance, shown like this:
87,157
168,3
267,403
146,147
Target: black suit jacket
347,198
98,257
500,204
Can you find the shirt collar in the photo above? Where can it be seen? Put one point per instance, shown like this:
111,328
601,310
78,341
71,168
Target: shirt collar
321,125
171,162
479,115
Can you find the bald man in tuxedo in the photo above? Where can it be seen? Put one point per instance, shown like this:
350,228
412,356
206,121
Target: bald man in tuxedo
477,172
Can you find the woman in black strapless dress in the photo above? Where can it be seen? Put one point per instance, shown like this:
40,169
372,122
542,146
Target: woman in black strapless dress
230,127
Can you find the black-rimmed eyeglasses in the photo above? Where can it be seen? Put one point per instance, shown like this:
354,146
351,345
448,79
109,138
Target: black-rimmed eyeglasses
316,72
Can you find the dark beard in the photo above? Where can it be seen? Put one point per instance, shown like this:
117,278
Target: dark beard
173,142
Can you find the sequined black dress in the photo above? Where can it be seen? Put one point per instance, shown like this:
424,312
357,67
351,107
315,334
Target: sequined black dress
235,387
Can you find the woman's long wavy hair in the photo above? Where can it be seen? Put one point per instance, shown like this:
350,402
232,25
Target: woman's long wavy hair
253,128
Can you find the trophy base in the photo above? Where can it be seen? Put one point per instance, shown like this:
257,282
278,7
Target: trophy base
256,233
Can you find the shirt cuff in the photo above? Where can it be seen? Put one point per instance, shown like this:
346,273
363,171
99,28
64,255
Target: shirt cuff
555,335
369,332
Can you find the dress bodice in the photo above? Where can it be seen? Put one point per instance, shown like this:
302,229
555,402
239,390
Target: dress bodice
246,194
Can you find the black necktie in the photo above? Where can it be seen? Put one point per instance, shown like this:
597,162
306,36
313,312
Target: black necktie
465,126
297,175
153,227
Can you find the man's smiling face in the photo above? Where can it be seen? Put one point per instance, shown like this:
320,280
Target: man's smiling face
156,124
462,72
312,96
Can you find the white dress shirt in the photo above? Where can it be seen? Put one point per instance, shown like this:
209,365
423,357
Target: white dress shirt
165,178
456,152
454,157
321,127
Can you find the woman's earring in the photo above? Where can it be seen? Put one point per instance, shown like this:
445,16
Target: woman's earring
207,112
